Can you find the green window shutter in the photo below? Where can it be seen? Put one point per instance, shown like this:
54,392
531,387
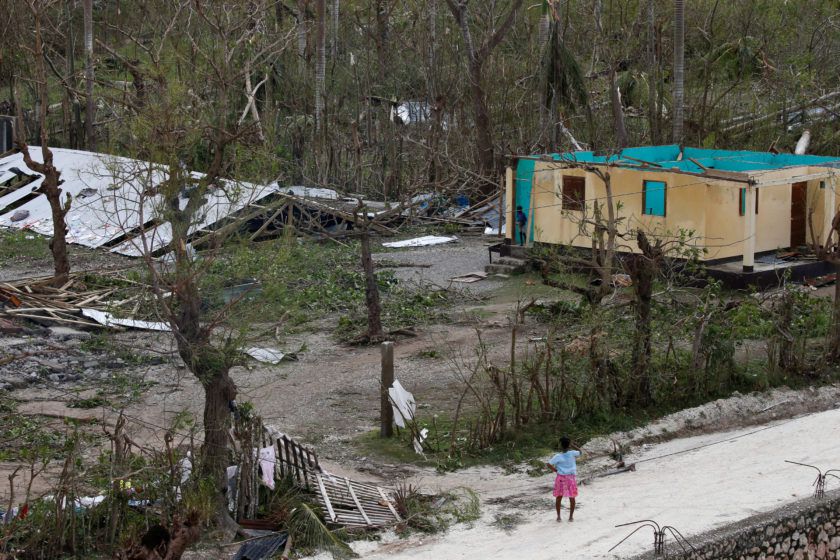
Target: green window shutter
653,199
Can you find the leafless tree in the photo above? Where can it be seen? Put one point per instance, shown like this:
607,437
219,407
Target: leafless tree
226,42
90,112
679,71
476,55
51,185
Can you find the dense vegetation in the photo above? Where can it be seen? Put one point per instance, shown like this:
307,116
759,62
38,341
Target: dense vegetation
750,69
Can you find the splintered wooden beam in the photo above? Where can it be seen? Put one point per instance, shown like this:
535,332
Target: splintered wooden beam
356,500
388,501
268,222
326,498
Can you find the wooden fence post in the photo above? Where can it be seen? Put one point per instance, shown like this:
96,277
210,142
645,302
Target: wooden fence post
386,413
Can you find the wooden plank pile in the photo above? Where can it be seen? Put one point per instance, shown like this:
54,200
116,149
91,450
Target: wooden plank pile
39,301
319,217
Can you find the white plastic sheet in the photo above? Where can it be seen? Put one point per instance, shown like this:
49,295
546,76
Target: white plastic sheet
108,320
424,241
403,404
267,461
267,355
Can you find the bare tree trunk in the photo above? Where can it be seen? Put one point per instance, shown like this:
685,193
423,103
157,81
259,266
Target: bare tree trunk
642,269
90,107
485,155
784,321
834,340
597,14
435,99
320,62
544,33
679,70
476,57
653,74
71,131
334,12
618,111
302,31
50,186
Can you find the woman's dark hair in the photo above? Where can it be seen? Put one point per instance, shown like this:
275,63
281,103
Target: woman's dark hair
519,208
565,442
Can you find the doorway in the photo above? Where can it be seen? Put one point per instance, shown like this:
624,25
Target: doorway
798,209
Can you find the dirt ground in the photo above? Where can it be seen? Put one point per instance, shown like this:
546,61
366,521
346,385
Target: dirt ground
327,397
330,395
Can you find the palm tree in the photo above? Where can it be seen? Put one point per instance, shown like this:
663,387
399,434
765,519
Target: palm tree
679,69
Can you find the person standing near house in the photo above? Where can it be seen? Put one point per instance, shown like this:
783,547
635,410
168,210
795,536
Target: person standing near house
521,222
565,484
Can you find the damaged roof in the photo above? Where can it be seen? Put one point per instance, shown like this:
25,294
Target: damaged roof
114,200
697,160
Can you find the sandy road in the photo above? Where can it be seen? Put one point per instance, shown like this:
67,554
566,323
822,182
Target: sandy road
693,490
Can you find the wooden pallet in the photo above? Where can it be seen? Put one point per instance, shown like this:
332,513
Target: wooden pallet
355,504
345,502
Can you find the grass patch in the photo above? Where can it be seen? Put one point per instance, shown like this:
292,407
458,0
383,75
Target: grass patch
24,438
523,450
298,282
90,402
16,244
521,445
507,522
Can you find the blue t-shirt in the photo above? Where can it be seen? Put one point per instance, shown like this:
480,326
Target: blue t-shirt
565,462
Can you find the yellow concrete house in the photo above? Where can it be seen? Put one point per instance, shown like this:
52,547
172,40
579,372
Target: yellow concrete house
668,189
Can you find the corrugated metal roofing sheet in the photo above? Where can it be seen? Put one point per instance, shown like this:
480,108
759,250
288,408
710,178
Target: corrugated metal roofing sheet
261,548
667,157
116,203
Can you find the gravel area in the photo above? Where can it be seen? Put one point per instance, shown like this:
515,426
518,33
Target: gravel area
440,263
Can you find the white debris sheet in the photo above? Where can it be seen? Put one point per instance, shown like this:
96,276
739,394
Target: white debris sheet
108,320
403,403
267,461
424,241
267,355
700,488
114,196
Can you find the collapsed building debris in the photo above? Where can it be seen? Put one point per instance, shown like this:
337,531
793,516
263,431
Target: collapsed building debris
72,304
115,204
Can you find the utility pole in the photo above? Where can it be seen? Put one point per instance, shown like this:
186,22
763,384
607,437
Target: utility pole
386,413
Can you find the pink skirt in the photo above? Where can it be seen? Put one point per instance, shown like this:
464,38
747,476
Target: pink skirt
565,485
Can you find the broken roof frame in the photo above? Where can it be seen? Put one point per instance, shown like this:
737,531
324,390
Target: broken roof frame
116,205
